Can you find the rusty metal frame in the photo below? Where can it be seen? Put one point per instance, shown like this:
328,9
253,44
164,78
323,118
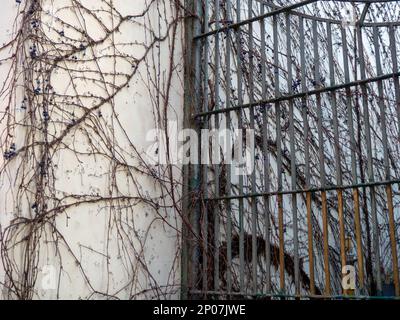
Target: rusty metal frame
211,216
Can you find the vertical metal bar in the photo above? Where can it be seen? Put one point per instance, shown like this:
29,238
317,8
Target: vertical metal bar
381,104
253,173
267,203
205,166
216,166
279,157
389,189
185,243
190,232
240,126
356,196
389,193
306,157
393,52
292,156
196,167
358,230
321,161
376,233
229,152
356,200
339,178
393,241
353,147
371,178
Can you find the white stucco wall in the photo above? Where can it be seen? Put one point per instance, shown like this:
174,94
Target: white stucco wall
125,249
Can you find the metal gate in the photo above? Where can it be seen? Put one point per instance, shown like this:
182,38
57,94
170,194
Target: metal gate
311,90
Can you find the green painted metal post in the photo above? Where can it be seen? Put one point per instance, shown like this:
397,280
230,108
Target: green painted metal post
191,172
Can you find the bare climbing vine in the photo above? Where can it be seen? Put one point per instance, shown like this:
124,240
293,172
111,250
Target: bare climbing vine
69,158
73,64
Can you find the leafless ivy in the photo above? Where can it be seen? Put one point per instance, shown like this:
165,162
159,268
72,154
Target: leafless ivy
70,61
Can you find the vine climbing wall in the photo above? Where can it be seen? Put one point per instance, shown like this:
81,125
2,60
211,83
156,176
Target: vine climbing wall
82,212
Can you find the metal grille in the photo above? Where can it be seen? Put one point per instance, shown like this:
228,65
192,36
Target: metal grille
317,82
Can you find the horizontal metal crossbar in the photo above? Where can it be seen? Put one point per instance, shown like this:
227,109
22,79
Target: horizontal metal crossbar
299,95
254,19
291,9
291,296
312,190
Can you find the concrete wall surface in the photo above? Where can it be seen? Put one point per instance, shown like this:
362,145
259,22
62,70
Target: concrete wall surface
82,213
